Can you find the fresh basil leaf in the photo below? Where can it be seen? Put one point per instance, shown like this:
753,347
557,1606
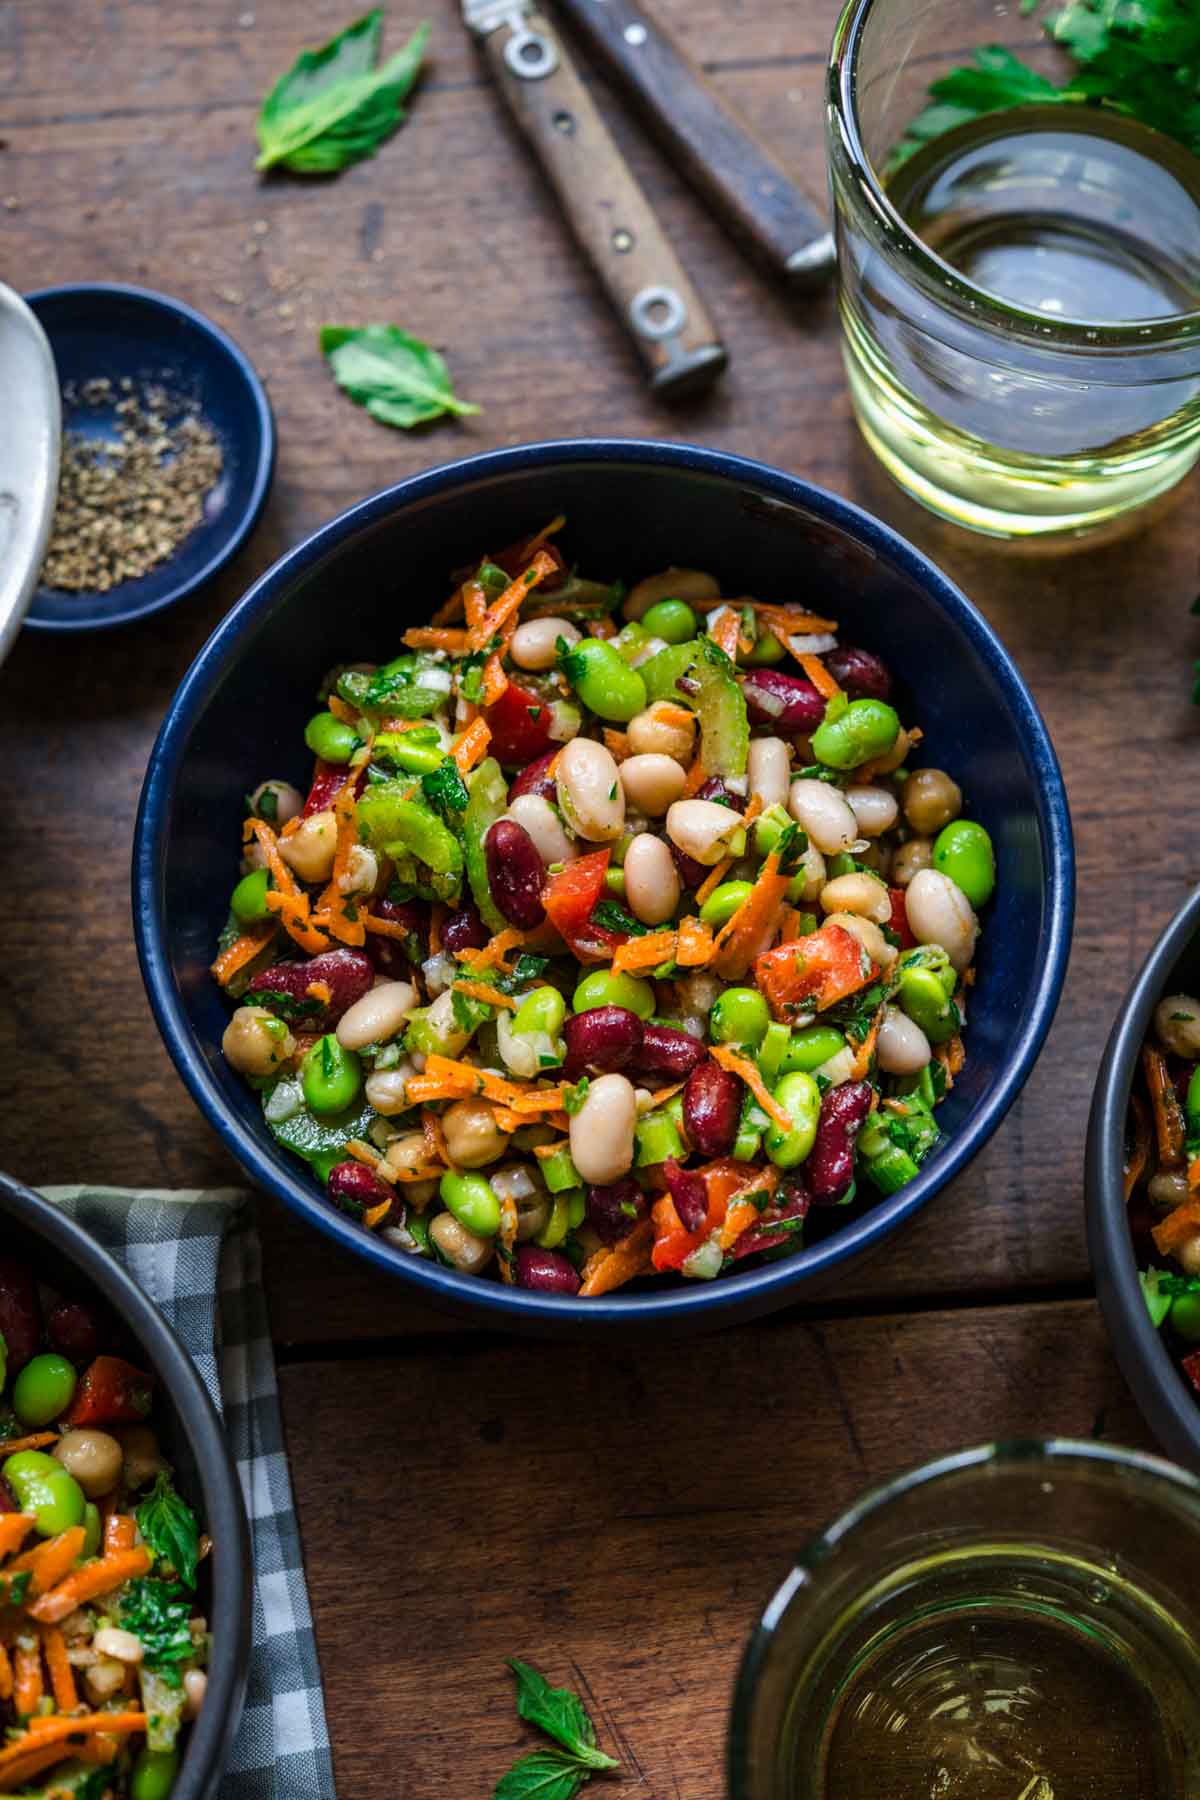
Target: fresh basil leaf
558,1712
543,1775
334,106
400,380
168,1524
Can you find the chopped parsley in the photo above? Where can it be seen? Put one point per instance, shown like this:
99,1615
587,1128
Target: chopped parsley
287,1006
574,1097
613,917
157,1613
445,789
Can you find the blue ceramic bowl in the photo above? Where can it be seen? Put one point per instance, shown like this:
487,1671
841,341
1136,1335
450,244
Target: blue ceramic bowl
105,330
631,508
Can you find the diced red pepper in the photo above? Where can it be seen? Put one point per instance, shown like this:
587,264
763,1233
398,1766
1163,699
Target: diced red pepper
111,1391
817,970
672,1244
772,1229
516,558
1191,1368
519,722
569,898
328,778
899,919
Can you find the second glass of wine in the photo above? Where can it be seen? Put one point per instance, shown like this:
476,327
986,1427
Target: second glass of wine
1014,1622
1020,289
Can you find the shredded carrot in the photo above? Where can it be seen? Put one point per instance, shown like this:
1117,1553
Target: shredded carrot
51,1730
819,675
340,710
370,1158
713,879
471,747
609,1269
120,1532
37,1756
243,950
742,1212
617,744
662,1095
1168,1114
333,908
793,623
435,1140
50,1562
753,808
1138,1152
490,996
494,679
749,932
539,1100
89,1582
389,928
646,952
453,608
474,599
695,943
866,1050
319,990
286,898
724,632
1193,1174
437,918
423,1090
1178,1226
544,1151
15,1527
27,1683
507,1236
669,713
494,951
506,1120
952,1056
501,610
741,1066
697,775
790,930
438,637
35,1440
6,1675
374,1215
62,1679
539,537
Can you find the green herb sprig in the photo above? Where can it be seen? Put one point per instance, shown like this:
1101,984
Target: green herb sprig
168,1525
552,1774
399,379
336,105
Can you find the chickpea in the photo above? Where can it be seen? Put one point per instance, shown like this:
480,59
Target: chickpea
652,782
535,643
602,1131
671,584
1167,1191
910,859
407,1152
1177,1025
143,1458
255,1042
825,815
461,1248
650,734
704,830
104,1679
901,1047
473,1138
283,802
859,894
534,814
930,800
892,759
387,1089
195,1687
875,808
769,767
310,851
589,791
362,871
1188,1254
651,880
869,936
93,1458
378,1016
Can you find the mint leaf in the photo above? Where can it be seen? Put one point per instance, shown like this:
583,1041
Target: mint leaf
400,380
168,1524
334,106
543,1775
560,1713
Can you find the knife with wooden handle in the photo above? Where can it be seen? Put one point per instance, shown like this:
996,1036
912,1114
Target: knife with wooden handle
755,198
606,209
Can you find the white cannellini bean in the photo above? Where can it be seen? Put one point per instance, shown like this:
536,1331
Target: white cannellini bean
535,644
857,893
110,1640
444,1026
650,734
769,767
289,801
378,1016
702,829
824,814
875,809
362,871
651,880
1177,1025
940,913
602,1131
590,794
195,1687
652,782
534,814
671,584
869,936
310,850
901,1047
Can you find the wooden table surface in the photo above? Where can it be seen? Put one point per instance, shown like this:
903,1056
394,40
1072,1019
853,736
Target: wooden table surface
617,1517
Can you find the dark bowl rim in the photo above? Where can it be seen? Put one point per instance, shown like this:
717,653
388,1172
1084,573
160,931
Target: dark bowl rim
244,372
758,1289
1145,1361
224,1509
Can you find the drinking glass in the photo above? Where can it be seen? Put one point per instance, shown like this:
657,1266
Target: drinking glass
1074,400
1019,1621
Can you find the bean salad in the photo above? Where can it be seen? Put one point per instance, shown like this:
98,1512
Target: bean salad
102,1648
617,930
1162,1176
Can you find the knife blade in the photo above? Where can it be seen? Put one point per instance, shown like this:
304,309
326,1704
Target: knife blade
755,198
609,214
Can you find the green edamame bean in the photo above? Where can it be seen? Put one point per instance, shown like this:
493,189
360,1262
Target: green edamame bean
413,758
1192,1106
614,882
248,901
812,1047
44,1489
963,851
543,1010
331,1076
602,988
331,739
800,1098
767,649
864,730
740,1016
672,620
154,1774
922,995
43,1389
473,1202
604,682
91,1529
1184,1317
723,902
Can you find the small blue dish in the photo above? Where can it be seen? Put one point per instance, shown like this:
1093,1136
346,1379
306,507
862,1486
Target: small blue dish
101,329
631,507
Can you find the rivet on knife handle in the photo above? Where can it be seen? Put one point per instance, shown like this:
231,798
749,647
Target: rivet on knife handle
607,210
743,181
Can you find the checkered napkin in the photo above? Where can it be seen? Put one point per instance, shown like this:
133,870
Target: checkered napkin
196,1254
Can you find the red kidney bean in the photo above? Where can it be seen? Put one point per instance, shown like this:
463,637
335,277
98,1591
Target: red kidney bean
547,1271
691,873
394,957
775,1228
601,1041
712,1106
714,789
327,779
464,930
353,1188
859,673
537,779
830,1166
666,1051
8,1501
689,1191
74,1329
612,1212
20,1313
515,874
786,703
347,973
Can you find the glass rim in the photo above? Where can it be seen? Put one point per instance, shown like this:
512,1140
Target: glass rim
1088,336
1041,1453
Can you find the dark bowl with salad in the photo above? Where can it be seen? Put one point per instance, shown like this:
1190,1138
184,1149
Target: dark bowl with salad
604,882
1143,1186
125,1577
